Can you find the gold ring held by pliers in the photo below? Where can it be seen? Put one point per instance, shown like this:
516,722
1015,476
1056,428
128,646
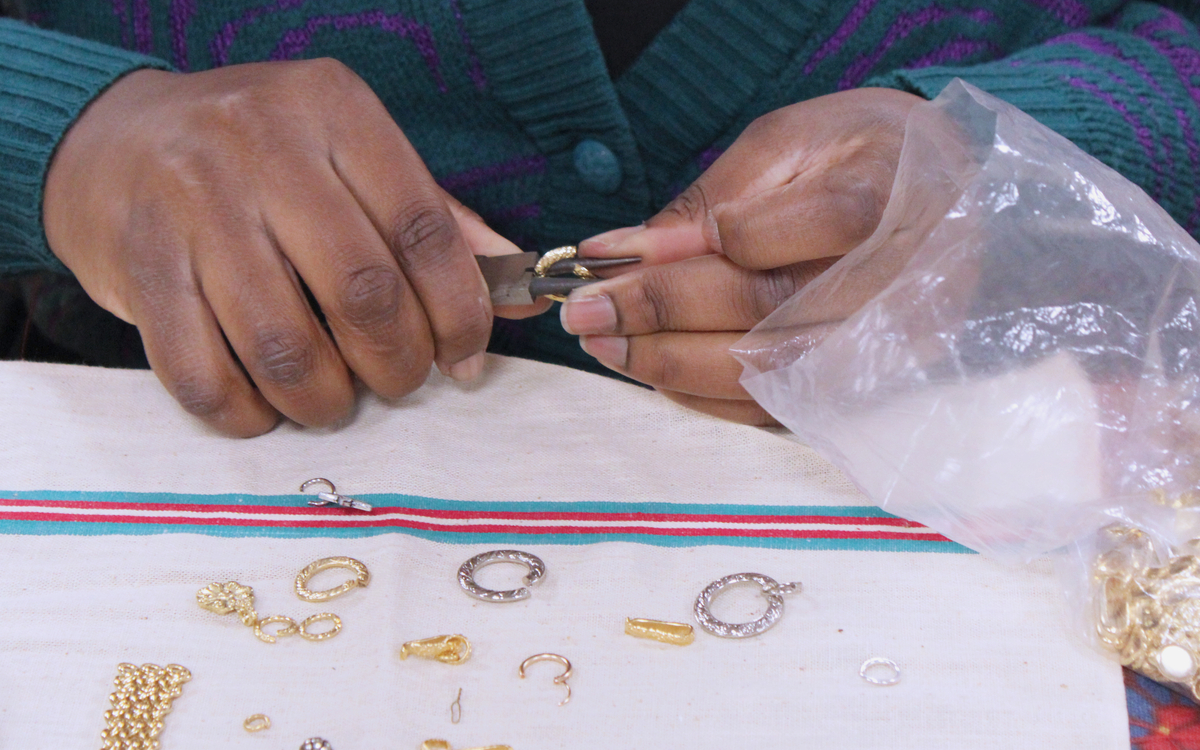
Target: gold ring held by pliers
361,579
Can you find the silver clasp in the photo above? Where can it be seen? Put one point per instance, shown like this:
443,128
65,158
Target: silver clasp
332,497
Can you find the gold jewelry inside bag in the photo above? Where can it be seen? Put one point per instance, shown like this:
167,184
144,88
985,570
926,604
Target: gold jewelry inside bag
448,649
674,633
361,579
142,699
1150,614
256,723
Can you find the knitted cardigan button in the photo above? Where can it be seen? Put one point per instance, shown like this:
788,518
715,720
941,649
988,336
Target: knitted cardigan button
598,166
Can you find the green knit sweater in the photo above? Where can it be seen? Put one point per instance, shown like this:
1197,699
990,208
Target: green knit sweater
510,104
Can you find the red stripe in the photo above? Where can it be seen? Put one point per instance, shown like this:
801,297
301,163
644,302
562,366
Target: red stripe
382,513
485,529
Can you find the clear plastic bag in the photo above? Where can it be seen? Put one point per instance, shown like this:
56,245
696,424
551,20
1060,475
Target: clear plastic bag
1013,357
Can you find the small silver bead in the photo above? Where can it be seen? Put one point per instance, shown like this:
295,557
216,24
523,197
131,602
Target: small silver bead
316,743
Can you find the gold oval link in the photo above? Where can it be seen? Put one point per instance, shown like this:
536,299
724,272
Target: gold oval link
320,617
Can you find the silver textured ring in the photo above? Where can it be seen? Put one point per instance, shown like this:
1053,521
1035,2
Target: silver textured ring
891,671
466,574
773,591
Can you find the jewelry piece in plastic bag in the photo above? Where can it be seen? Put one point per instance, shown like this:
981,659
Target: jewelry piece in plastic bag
466,574
448,649
674,633
257,723
559,680
140,703
316,743
1150,614
771,589
871,668
362,577
332,497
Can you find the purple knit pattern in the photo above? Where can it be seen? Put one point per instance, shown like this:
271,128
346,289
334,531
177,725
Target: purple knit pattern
143,35
1186,62
476,68
295,41
1144,137
463,182
834,43
956,50
121,11
905,24
514,213
1071,12
219,46
182,12
1101,47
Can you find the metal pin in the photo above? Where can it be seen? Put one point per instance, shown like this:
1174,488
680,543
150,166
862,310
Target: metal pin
675,633
456,709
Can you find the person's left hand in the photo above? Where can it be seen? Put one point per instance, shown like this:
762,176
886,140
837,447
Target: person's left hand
799,188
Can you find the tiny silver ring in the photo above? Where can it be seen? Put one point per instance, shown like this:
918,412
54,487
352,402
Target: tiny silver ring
771,589
466,574
892,676
318,480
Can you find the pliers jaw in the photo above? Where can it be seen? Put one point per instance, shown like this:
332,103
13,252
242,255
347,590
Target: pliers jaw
522,278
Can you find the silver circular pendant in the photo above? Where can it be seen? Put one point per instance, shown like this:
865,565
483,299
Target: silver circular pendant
771,589
466,574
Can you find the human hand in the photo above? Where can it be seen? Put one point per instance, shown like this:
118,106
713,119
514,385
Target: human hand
204,207
799,188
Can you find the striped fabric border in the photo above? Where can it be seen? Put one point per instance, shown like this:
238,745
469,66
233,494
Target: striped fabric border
464,522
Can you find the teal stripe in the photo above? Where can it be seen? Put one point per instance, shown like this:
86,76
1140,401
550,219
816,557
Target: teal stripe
432,503
46,528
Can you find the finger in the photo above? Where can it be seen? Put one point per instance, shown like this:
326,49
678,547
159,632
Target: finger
379,324
391,183
483,240
816,215
709,293
185,346
695,363
264,314
743,412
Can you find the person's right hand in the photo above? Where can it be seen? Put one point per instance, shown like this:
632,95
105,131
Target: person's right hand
200,207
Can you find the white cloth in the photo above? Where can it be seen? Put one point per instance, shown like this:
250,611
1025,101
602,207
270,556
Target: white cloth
97,575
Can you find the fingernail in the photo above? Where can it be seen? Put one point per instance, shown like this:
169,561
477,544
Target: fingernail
588,313
612,351
469,369
601,244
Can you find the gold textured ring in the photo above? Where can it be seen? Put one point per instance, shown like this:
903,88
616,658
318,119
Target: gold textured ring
289,628
361,579
256,723
310,621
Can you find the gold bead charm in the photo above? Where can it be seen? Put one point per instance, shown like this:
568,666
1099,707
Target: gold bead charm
674,633
142,699
227,598
448,649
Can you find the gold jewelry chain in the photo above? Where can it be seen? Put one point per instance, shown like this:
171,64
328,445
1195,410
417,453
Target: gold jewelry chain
142,699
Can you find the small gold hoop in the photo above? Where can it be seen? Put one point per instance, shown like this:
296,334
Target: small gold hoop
323,616
256,723
289,628
361,579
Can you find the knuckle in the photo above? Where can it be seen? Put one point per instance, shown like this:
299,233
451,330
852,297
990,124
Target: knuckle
691,205
421,236
371,297
285,358
203,396
859,195
652,303
326,73
766,291
467,333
